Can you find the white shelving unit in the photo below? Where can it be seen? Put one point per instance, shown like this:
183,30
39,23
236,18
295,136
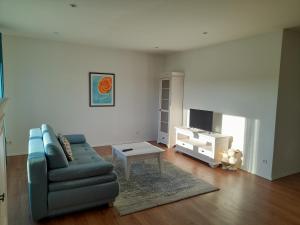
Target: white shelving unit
203,145
170,106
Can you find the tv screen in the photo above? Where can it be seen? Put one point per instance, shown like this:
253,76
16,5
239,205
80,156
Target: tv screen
201,119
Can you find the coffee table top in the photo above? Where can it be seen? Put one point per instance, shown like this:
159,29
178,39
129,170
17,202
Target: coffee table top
139,148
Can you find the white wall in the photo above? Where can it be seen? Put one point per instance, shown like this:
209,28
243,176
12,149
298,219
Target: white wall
286,152
237,78
47,81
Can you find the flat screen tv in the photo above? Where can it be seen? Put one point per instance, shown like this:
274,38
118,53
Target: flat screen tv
201,119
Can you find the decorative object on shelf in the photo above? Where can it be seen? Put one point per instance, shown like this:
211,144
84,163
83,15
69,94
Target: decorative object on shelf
101,89
232,159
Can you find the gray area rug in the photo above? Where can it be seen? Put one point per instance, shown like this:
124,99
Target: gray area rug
146,188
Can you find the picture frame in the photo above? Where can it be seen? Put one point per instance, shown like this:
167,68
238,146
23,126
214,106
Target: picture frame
101,89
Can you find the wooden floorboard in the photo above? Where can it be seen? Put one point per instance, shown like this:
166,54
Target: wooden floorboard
243,199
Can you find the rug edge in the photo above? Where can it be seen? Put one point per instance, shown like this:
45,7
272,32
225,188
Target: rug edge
166,202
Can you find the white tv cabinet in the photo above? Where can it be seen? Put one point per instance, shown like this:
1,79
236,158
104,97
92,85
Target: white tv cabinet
203,145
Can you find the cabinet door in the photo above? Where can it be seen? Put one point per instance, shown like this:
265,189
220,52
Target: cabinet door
164,102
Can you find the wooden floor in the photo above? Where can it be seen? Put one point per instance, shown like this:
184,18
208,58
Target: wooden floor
243,199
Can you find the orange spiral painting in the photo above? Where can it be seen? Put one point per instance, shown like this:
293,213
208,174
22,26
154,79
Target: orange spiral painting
105,85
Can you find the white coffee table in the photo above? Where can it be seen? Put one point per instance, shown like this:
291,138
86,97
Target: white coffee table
141,151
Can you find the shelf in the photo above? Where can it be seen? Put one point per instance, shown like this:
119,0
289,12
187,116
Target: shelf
198,144
202,132
202,145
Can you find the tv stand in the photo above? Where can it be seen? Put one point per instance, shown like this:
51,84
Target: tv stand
203,145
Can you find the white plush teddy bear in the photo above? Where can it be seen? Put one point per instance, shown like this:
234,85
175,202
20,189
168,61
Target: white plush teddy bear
232,159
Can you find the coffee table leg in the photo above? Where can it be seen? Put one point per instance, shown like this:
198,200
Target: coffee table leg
114,156
127,169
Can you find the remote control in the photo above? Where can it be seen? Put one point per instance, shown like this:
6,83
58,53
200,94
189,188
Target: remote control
127,149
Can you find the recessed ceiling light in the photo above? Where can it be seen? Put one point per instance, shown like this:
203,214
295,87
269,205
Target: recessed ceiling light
205,32
73,5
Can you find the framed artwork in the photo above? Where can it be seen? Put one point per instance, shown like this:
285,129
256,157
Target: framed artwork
102,89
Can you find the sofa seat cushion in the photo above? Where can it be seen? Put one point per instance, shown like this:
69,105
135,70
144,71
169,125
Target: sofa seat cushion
83,149
57,186
87,158
85,165
76,138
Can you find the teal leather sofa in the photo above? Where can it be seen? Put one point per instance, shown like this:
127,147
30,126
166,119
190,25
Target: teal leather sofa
56,185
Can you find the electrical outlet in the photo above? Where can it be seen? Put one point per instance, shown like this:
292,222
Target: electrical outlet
265,161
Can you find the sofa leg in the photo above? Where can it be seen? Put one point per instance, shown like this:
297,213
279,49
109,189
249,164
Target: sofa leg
111,204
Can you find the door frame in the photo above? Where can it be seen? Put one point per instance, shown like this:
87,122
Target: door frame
3,175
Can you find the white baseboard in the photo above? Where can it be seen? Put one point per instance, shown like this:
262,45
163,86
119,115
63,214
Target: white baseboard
16,154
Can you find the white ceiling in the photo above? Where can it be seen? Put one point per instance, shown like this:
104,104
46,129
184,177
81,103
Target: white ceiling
173,25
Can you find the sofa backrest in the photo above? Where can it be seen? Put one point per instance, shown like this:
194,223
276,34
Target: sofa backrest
37,174
46,128
56,157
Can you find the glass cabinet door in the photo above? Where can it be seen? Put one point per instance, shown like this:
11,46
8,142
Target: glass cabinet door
164,105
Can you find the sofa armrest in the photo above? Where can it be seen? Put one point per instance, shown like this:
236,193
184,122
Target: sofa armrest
80,171
37,184
75,138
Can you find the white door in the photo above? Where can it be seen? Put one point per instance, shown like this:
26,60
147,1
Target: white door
164,102
3,188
